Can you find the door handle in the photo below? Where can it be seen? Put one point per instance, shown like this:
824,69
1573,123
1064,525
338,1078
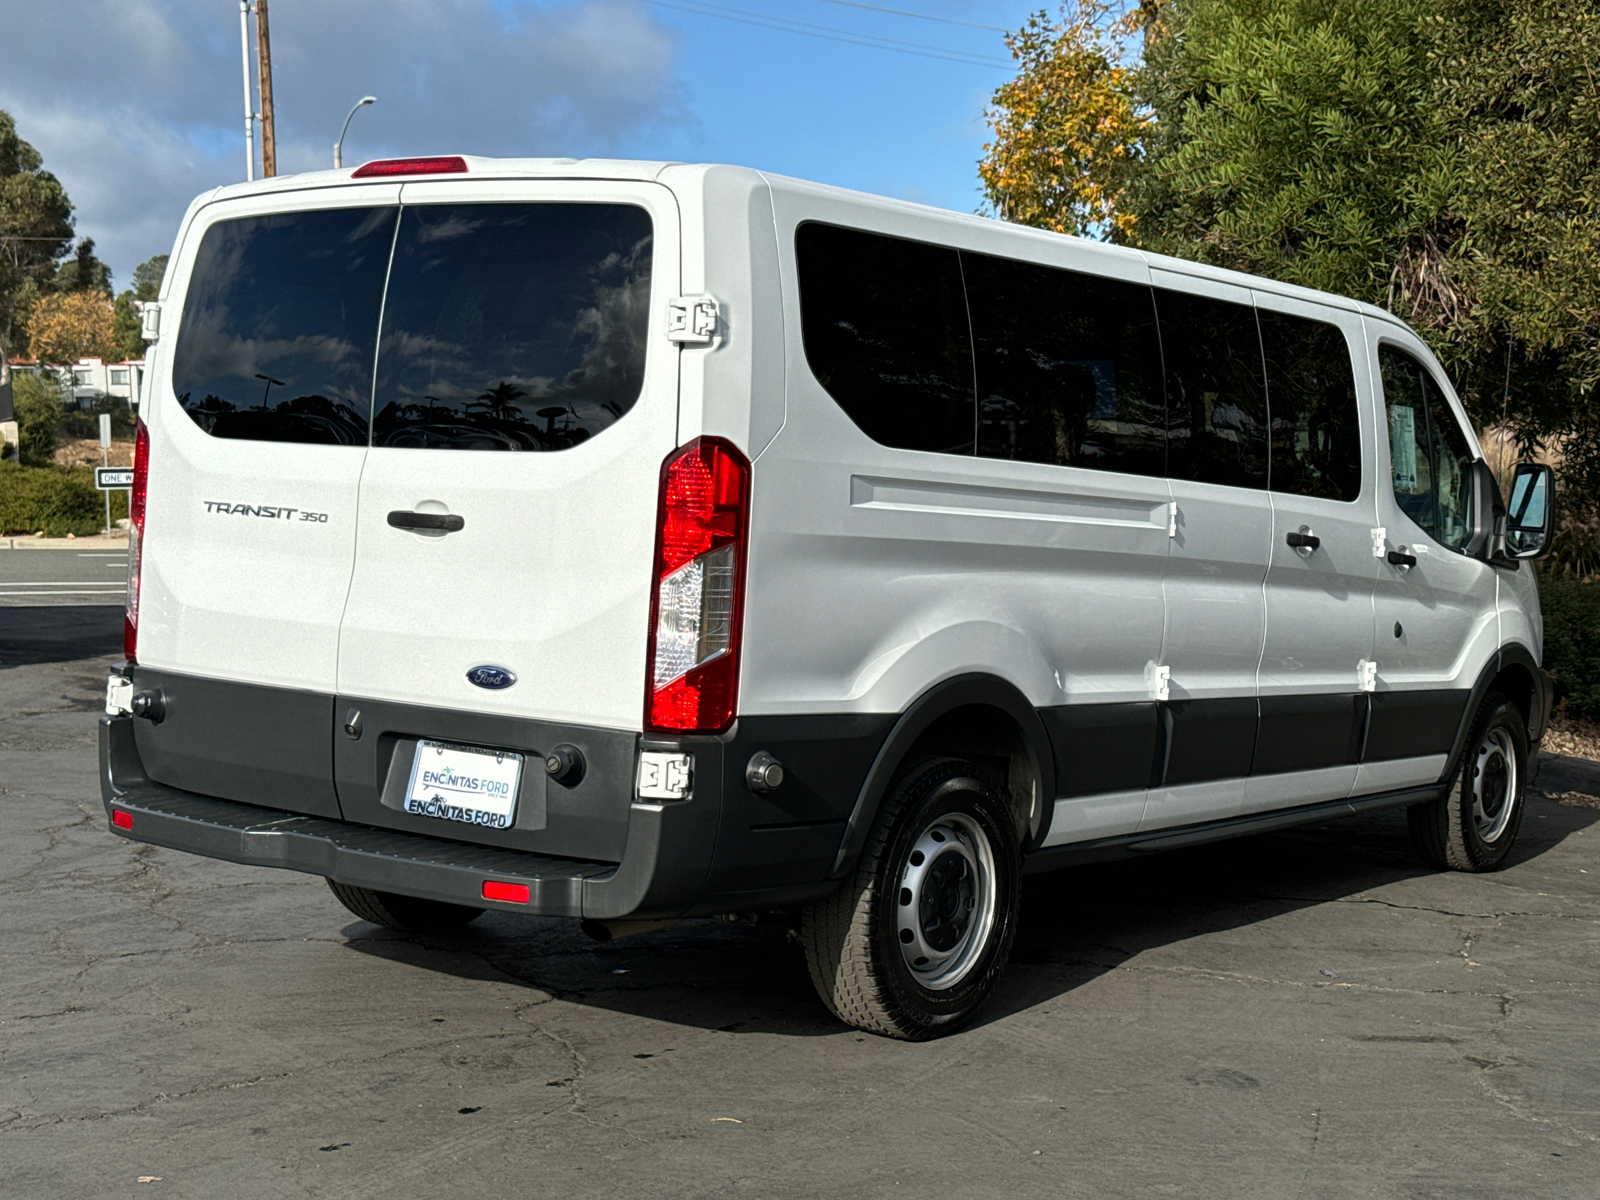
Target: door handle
1303,539
402,518
1399,558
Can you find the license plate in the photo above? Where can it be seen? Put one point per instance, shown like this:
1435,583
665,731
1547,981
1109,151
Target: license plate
464,783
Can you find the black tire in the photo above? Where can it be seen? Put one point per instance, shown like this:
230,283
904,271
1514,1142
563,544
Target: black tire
967,883
403,912
1474,824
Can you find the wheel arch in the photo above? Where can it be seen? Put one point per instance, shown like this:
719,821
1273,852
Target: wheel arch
973,715
1514,671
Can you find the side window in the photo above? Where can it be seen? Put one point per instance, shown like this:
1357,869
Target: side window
1430,461
1216,407
276,341
1311,392
885,327
1068,367
513,326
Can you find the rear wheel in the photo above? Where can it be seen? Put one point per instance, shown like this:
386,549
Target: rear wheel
912,945
1472,827
403,912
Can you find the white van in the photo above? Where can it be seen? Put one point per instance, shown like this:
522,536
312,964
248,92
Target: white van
635,541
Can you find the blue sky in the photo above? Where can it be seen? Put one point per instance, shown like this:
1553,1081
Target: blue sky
137,104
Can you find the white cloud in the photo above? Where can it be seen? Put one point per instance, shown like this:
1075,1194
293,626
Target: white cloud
137,105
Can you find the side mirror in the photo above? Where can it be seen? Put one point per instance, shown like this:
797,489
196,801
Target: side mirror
1531,513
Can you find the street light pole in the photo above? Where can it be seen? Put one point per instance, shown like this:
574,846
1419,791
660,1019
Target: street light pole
339,145
249,109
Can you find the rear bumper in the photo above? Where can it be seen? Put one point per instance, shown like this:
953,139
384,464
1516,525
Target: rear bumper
660,875
723,850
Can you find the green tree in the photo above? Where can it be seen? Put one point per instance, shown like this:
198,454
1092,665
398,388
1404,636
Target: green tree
38,407
83,272
35,230
125,330
147,277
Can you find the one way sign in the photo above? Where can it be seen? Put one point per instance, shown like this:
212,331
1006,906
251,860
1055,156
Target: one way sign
112,479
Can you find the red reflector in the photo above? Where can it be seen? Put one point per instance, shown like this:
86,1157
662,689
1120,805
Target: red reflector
122,820
513,893
384,167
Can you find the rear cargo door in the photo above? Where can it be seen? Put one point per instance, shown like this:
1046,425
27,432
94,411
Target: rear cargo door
526,397
258,415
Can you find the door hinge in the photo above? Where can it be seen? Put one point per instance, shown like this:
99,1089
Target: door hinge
1379,540
692,320
150,321
1172,519
1367,673
664,776
1158,680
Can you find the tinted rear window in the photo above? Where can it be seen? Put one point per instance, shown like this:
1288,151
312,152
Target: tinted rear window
885,327
278,326
513,326
1068,367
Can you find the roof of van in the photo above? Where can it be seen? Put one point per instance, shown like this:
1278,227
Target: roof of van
640,169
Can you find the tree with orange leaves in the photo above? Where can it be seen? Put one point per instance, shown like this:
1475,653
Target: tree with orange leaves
1069,130
71,325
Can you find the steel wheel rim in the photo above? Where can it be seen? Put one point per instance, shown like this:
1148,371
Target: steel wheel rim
1494,785
945,901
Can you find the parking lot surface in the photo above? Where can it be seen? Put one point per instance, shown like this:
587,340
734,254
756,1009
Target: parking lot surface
1307,1013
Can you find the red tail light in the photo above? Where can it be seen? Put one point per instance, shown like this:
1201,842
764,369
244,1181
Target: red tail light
697,606
384,167
136,498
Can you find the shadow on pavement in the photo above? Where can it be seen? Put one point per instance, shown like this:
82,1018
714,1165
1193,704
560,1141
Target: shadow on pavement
61,633
1076,925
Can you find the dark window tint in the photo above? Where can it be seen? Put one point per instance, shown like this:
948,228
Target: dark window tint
1311,390
885,329
1217,412
1068,367
1429,459
278,326
513,326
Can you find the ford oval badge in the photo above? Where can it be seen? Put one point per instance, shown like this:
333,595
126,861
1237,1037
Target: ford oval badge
487,676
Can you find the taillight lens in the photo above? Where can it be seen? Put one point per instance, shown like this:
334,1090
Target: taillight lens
698,601
136,498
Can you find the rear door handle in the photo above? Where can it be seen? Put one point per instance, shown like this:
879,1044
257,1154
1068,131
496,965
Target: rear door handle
1402,560
402,518
1303,541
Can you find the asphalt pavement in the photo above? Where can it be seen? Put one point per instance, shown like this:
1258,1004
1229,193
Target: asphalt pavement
1306,1014
61,575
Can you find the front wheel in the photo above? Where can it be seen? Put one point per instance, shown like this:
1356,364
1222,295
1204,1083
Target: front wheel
1473,825
912,945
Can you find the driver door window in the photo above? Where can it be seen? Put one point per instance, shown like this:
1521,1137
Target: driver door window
1430,462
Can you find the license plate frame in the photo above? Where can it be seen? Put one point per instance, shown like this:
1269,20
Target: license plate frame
472,786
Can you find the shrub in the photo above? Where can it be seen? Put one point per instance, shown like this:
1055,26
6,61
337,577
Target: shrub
38,404
1572,641
55,500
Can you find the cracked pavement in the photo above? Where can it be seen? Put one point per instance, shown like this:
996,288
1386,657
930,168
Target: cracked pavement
1306,1013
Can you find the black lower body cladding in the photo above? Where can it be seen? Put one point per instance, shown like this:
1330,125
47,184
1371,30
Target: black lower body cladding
272,776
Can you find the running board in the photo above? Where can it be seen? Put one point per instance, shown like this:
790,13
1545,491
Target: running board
1056,857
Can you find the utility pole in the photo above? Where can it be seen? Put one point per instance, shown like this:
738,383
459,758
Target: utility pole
249,109
269,141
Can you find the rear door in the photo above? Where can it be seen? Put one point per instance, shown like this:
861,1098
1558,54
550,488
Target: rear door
526,396
258,417
1318,593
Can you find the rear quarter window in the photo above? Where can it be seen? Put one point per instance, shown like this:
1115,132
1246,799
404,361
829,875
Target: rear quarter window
279,323
884,321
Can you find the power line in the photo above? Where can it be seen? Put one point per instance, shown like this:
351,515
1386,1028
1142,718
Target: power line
900,12
827,32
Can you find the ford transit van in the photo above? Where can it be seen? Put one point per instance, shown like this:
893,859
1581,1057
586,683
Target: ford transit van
630,541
